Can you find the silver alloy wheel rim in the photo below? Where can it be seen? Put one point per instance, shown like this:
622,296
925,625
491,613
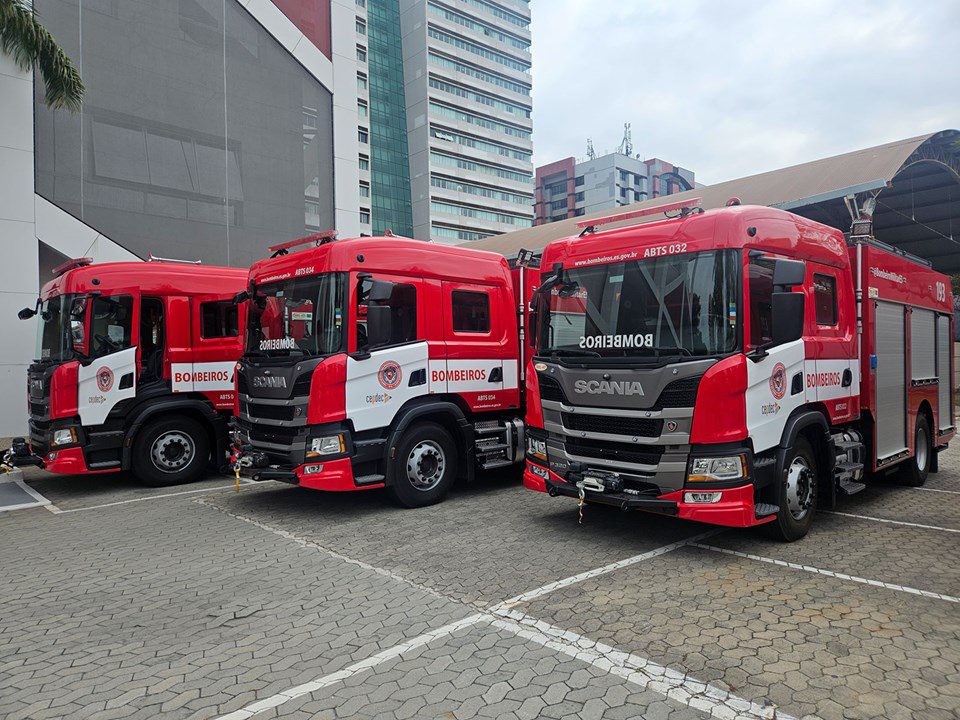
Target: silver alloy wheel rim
172,451
799,488
425,465
921,449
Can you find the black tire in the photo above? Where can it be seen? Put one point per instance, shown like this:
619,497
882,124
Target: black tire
798,494
914,471
171,450
426,451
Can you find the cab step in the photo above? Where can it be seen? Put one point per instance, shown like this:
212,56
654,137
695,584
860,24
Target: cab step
762,510
369,479
851,487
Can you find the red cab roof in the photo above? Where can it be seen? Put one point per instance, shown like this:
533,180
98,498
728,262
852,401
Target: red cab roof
776,231
156,278
389,254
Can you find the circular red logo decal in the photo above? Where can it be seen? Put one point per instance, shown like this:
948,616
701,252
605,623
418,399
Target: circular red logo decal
104,379
778,381
389,375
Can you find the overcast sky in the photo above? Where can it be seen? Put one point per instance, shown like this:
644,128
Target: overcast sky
729,88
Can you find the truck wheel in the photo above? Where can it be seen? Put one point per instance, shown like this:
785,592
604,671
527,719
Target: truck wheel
424,467
170,451
798,494
914,471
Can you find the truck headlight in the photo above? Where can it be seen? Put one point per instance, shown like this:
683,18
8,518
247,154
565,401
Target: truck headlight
537,447
330,445
67,436
705,469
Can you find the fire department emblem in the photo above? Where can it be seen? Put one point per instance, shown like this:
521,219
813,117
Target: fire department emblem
104,379
778,381
389,375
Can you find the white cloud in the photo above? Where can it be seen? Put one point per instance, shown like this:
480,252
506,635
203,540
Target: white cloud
735,87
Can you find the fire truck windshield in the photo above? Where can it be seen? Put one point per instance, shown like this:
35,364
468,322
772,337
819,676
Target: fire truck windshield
297,317
60,333
674,305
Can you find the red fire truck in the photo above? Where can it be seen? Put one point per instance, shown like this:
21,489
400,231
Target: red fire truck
741,366
381,362
134,369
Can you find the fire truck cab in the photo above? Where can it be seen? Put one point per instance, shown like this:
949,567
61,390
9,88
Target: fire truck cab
739,366
381,362
133,369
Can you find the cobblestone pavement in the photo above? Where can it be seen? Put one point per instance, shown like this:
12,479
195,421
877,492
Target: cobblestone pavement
199,602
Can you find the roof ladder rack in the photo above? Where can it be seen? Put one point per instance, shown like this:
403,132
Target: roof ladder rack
685,207
317,238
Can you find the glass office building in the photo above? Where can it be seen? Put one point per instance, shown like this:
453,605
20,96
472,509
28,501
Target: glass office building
201,136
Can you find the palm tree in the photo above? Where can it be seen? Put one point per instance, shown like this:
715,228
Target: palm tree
24,39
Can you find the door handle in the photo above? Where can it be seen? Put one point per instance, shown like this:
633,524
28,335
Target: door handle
417,377
796,384
847,380
126,382
496,375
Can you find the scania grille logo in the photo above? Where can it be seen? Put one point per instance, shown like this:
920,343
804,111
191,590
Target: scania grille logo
266,381
608,387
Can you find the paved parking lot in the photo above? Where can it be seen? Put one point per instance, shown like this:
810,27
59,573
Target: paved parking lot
276,602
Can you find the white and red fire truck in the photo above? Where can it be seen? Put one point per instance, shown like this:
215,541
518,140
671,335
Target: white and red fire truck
382,362
134,369
740,366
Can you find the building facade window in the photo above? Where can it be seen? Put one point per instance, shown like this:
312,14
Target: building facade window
363,136
480,214
364,163
362,109
469,141
474,119
365,217
480,190
479,73
361,81
361,54
478,50
481,98
361,27
479,27
457,234
364,190
463,164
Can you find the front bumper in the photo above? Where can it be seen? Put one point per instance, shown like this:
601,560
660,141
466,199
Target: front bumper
735,508
335,476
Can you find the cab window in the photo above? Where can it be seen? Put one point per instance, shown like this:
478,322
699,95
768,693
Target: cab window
219,320
825,298
471,311
111,324
402,312
760,278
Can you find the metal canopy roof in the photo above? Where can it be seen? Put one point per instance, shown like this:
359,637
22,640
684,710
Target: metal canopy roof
915,182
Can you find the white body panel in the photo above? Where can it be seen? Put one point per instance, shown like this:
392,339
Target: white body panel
204,376
98,385
769,400
471,375
372,397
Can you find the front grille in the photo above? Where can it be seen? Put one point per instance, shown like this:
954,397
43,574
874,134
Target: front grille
550,390
242,387
637,427
622,452
38,436
268,412
679,394
38,409
274,435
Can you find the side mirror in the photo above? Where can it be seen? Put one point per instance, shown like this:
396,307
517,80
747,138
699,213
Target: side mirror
379,325
787,273
241,297
380,291
26,313
787,309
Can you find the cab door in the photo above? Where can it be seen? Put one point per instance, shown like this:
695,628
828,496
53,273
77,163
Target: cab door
477,348
387,364
109,375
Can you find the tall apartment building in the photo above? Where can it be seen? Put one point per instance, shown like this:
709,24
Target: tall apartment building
567,188
448,85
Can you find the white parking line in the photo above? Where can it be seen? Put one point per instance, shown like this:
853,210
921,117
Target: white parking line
926,489
830,573
38,499
589,574
357,667
892,522
644,673
243,481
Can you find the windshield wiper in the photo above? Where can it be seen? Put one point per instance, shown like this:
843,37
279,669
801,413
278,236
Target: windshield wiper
574,352
672,351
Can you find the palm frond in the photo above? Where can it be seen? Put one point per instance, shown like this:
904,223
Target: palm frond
28,43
